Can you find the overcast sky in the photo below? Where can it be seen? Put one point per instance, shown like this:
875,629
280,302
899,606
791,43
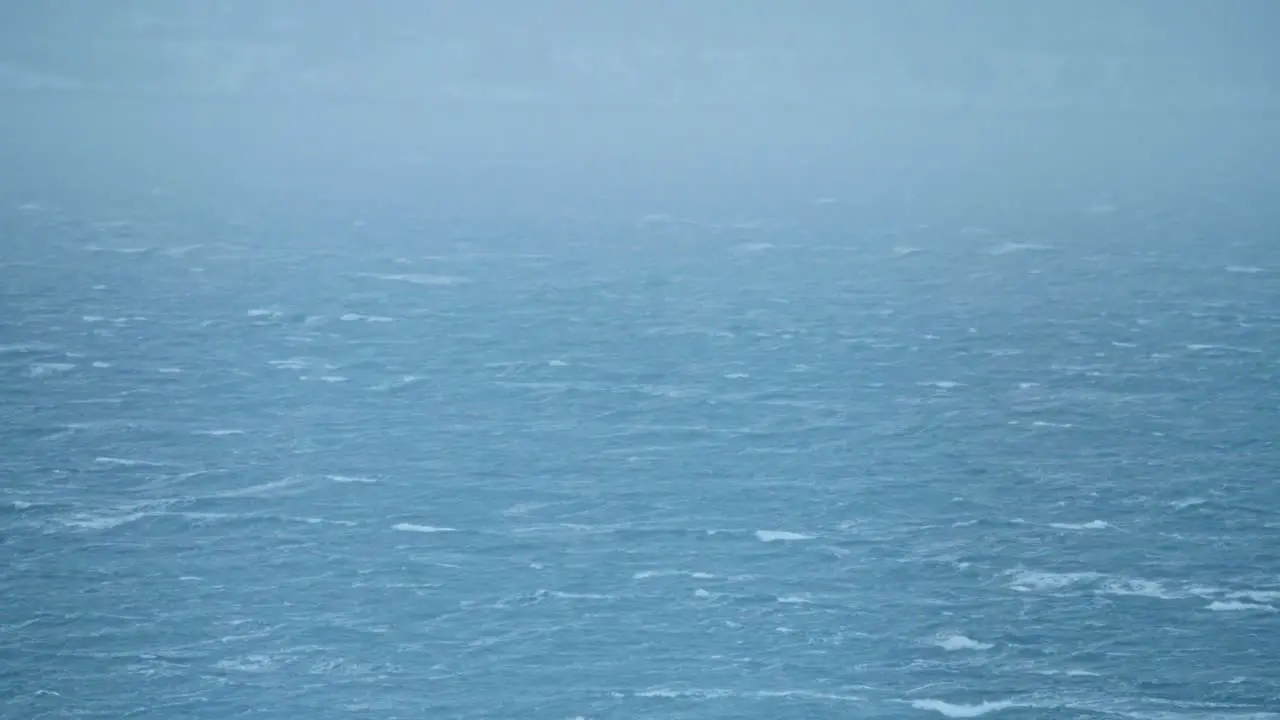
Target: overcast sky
659,50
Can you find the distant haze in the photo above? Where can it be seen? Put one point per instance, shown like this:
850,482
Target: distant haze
901,52
553,96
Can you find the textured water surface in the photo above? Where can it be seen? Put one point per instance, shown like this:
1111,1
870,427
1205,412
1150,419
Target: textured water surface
670,469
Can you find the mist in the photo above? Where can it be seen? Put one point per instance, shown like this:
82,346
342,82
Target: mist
495,106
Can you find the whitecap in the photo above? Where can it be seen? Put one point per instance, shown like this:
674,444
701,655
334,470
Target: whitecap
525,508
808,694
119,250
319,521
262,489
357,317
419,278
1259,596
181,250
1136,587
677,693
403,382
952,642
780,535
101,522
1237,606
351,479
1033,581
955,710
1012,247
1197,347
1246,269
1091,525
411,527
646,574
50,368
125,462
248,663
1073,672
580,596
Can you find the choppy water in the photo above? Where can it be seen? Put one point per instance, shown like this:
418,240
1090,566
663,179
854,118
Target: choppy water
665,470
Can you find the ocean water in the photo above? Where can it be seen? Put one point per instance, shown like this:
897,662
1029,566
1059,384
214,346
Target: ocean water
667,467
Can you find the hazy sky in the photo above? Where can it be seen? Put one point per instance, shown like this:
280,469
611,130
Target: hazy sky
660,50
495,103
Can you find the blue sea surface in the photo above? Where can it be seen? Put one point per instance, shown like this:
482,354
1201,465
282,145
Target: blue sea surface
664,466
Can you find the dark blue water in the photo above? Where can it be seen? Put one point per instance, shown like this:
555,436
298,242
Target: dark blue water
668,467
